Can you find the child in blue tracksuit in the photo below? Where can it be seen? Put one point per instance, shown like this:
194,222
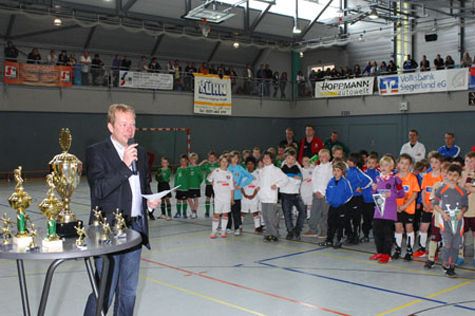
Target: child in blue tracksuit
368,201
241,179
359,182
337,194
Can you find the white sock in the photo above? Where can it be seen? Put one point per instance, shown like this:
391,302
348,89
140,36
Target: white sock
215,225
398,239
257,222
224,223
263,223
423,239
308,212
410,239
242,219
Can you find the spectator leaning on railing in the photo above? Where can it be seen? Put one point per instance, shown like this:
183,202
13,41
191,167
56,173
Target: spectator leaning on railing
34,57
424,64
11,52
466,60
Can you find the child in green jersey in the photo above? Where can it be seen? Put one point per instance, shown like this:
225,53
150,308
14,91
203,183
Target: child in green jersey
182,178
163,176
196,177
208,165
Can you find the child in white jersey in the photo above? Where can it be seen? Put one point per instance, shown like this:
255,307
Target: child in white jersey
306,186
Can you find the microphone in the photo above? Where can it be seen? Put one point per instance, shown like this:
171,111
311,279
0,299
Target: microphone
131,141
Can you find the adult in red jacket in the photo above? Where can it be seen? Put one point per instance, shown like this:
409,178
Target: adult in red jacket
310,144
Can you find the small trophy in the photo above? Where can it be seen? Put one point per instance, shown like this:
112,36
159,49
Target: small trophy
50,207
67,170
119,225
97,217
105,238
6,231
33,233
20,201
81,233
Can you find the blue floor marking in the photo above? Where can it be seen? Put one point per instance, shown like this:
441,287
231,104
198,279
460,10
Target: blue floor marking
262,262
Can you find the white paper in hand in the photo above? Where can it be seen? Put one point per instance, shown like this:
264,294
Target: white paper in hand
159,195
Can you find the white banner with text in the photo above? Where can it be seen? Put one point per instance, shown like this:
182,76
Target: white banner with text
344,88
212,95
145,80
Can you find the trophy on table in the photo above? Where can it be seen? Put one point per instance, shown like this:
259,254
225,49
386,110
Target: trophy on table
81,231
97,217
20,201
119,225
6,231
33,233
51,207
107,232
67,169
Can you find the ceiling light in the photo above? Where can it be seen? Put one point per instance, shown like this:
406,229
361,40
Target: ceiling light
296,30
236,45
374,14
57,22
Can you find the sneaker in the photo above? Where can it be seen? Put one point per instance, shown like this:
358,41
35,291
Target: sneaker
429,264
297,235
310,234
459,261
365,239
185,216
384,259
267,238
258,230
240,230
206,215
408,256
150,215
237,232
451,273
162,216
376,256
337,245
213,235
397,253
169,218
223,235
289,236
177,215
421,253
326,244
355,241
228,231
274,239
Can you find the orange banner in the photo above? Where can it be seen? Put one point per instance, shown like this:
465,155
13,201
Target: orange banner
37,75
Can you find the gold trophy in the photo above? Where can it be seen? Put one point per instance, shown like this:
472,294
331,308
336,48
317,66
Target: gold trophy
119,225
97,217
81,231
34,233
6,231
67,170
51,207
20,201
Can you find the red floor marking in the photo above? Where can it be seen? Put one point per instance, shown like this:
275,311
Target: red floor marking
190,273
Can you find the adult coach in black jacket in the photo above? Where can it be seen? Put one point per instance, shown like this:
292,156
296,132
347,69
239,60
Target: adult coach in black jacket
114,186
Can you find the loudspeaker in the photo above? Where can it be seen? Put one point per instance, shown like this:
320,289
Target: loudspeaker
431,37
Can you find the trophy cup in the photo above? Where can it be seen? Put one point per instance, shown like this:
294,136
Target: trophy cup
34,233
105,238
67,170
20,201
81,234
50,207
119,225
97,217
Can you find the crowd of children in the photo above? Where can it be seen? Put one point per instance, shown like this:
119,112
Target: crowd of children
348,198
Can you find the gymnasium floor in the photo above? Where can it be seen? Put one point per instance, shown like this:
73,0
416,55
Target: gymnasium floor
187,273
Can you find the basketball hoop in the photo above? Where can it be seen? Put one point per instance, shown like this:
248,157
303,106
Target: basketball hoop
205,28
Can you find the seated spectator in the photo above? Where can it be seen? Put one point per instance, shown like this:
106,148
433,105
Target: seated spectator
63,58
34,57
410,64
320,75
424,64
357,71
143,66
52,58
204,68
11,52
374,69
367,69
72,59
449,62
154,66
96,70
466,60
439,62
341,72
328,73
348,73
392,68
334,73
126,63
383,68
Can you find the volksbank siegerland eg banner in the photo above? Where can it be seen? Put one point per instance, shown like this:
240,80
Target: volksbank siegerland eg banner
212,95
145,80
424,82
344,88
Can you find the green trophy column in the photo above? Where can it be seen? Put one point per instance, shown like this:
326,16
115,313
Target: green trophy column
296,67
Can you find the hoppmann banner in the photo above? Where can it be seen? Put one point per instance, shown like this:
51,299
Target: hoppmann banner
344,88
423,82
212,95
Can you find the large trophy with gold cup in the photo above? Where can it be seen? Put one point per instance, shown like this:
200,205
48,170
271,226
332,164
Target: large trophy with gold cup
20,201
67,170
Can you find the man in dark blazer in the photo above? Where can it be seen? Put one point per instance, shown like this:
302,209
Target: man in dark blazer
114,186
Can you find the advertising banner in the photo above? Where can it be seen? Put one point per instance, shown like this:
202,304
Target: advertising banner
424,82
344,88
471,84
212,95
145,80
37,75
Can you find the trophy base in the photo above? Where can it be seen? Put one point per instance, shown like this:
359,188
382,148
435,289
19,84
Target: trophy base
65,230
22,242
52,245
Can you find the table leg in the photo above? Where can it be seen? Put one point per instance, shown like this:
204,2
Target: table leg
92,279
47,285
102,284
24,291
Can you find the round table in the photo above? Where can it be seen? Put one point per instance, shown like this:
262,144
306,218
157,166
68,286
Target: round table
95,248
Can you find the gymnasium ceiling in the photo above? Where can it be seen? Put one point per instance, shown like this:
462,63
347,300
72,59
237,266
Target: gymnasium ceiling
157,27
